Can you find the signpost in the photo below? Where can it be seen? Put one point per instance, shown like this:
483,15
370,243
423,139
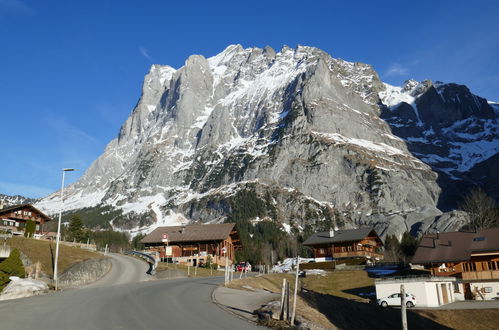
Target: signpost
224,251
165,240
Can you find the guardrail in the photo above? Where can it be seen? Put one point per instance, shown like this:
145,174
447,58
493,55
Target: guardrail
147,258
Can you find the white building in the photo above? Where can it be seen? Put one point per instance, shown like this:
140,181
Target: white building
430,291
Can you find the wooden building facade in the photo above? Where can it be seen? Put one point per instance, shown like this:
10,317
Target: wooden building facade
472,257
349,243
15,217
192,244
466,255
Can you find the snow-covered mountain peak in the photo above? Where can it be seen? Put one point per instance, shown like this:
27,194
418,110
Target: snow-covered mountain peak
409,85
290,125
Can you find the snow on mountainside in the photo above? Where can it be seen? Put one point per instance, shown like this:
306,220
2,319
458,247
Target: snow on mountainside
451,146
7,200
301,136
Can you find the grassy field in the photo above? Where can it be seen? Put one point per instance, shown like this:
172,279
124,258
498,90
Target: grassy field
336,297
44,252
193,271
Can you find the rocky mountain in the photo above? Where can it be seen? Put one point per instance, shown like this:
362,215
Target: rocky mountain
294,136
448,128
7,200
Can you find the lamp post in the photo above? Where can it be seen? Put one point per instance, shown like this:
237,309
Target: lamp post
64,170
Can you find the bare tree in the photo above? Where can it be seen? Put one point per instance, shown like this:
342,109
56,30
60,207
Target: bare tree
482,209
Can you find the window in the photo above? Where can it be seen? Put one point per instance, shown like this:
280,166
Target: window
492,265
456,287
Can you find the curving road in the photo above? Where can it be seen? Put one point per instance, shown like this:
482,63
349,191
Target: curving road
162,304
124,270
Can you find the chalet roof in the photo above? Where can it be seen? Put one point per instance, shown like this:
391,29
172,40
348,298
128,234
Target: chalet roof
23,206
190,233
455,246
345,235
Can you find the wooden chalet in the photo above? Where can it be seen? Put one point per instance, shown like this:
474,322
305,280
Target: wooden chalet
349,243
192,244
468,255
14,218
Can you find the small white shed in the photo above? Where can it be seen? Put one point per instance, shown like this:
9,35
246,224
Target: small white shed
430,291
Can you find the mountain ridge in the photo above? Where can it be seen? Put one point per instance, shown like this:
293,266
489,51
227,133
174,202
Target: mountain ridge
295,125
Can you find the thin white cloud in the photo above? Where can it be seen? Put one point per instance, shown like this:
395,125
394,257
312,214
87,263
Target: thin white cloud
396,69
68,131
15,6
145,53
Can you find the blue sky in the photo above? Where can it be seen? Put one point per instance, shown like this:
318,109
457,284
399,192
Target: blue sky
71,71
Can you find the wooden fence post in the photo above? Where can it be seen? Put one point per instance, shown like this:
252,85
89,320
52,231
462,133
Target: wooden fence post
295,293
283,295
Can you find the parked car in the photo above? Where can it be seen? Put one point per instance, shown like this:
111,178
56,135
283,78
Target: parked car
394,300
243,266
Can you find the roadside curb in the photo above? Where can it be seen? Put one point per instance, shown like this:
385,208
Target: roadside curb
225,308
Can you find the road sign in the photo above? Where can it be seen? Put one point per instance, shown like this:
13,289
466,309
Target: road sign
165,238
168,250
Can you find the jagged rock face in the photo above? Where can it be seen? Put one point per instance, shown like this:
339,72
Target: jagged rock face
7,200
449,128
296,134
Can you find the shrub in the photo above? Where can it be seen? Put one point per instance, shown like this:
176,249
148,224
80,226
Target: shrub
29,231
12,266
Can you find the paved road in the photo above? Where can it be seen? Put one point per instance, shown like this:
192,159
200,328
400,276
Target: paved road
162,304
124,269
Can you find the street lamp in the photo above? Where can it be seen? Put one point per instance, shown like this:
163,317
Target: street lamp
64,170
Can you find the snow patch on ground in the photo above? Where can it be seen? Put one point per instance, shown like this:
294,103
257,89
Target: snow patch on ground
288,264
21,288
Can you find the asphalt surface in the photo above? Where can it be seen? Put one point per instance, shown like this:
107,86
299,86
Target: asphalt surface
159,304
124,270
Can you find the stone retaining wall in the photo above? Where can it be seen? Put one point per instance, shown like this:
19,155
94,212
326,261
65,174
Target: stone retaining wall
85,272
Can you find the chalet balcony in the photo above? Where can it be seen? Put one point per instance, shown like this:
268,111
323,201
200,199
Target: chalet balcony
481,275
449,271
354,254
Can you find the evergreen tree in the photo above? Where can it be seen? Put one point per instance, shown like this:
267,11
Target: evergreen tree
12,266
408,244
393,252
136,245
30,229
116,241
75,230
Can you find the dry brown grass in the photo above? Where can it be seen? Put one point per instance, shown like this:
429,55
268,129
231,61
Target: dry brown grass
333,299
464,319
44,252
273,283
343,284
193,271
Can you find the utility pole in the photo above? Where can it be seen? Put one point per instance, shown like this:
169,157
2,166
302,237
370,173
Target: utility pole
56,280
296,291
403,307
